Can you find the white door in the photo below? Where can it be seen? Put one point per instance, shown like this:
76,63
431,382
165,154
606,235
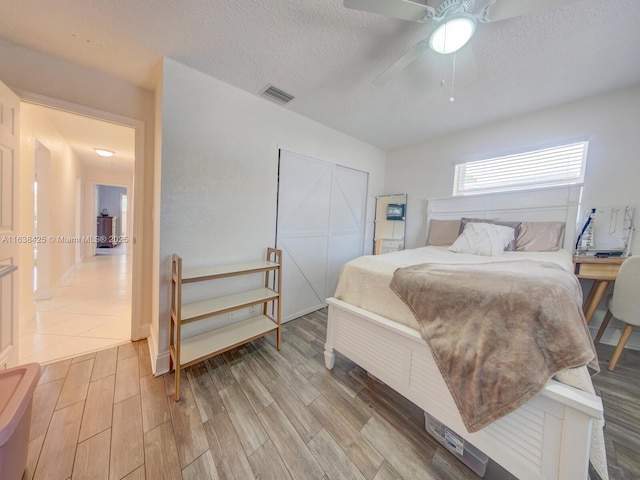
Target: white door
321,211
9,157
346,231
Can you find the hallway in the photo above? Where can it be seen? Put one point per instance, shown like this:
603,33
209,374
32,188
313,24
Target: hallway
90,311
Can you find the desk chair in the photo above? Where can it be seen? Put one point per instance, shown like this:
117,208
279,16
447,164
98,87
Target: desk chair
624,304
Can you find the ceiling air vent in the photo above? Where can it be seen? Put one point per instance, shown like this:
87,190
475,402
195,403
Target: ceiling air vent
277,95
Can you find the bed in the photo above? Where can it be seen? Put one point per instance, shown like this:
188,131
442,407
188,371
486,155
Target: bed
552,435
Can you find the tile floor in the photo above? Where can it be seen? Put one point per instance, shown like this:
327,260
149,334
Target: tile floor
90,311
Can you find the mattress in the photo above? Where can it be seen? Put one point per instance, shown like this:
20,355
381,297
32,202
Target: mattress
364,281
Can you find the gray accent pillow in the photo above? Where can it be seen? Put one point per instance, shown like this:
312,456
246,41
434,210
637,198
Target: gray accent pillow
539,236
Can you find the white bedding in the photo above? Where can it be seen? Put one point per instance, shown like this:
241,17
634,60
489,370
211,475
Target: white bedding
364,281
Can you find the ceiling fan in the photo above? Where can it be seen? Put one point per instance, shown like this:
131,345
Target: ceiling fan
453,22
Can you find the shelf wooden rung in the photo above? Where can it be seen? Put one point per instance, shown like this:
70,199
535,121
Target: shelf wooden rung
223,271
212,342
215,306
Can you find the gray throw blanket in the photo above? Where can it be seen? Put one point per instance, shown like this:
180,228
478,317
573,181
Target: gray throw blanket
497,334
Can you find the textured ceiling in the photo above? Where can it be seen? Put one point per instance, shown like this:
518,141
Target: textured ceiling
327,56
84,134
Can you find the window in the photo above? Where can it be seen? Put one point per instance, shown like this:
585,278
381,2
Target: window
560,165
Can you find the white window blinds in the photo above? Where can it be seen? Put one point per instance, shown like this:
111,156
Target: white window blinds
561,165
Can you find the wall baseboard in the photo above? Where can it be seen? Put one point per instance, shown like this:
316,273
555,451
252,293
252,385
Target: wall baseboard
159,362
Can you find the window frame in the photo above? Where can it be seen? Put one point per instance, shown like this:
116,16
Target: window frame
553,178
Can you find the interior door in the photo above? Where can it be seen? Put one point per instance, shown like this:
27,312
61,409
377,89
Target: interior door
9,144
347,217
321,210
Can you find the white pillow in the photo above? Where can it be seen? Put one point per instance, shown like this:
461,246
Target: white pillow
483,239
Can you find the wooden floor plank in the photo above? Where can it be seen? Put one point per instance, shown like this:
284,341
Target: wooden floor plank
220,372
267,464
33,454
127,350
300,416
144,358
303,364
205,391
396,449
127,379
82,358
187,426
127,444
262,369
45,398
161,453
250,431
386,472
58,451
92,457
293,451
76,384
354,410
105,363
305,390
54,371
137,474
447,467
226,449
155,402
98,407
201,468
332,458
257,394
357,448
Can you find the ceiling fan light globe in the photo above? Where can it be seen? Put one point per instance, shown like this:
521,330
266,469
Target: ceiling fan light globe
452,34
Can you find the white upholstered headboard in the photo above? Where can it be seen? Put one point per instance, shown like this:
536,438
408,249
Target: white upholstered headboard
555,204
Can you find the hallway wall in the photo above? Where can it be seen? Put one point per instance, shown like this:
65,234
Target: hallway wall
65,168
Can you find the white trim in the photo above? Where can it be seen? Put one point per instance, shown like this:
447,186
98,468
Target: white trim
159,362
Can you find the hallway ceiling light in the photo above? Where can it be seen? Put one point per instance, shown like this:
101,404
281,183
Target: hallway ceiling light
103,152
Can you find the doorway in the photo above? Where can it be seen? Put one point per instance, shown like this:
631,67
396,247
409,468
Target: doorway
111,219
42,222
71,295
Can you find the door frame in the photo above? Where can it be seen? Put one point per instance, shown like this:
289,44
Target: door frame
139,329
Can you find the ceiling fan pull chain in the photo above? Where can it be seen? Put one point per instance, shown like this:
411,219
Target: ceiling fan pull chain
453,78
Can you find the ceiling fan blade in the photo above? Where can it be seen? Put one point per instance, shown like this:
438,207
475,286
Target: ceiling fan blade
402,9
402,62
504,9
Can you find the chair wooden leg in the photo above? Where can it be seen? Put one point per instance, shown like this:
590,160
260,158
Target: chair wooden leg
626,333
603,327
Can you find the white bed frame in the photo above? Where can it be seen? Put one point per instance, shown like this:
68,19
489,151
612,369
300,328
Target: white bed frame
548,437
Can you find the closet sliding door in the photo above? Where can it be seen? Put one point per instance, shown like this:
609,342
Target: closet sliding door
320,226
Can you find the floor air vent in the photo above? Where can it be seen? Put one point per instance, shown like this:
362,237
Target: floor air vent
277,95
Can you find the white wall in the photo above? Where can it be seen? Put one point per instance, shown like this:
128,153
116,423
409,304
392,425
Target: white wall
65,168
610,121
219,172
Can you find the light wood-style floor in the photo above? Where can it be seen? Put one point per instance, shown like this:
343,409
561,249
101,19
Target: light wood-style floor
259,413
